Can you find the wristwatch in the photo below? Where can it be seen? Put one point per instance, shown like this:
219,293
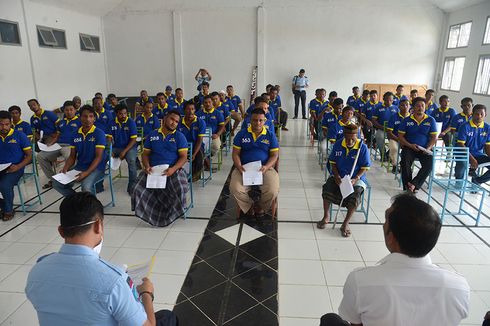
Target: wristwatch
148,292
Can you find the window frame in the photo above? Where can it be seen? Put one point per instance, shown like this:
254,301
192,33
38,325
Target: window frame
91,37
487,21
51,29
18,32
449,33
442,77
476,74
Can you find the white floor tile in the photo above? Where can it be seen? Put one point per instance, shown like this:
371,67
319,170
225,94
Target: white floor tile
9,303
283,321
16,281
301,272
150,239
172,262
132,256
460,253
476,275
336,272
7,269
190,225
372,250
336,295
314,299
339,250
288,214
298,249
24,315
19,253
186,241
167,287
115,237
365,232
295,231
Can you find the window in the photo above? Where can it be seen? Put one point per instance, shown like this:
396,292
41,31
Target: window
459,35
9,33
452,73
89,43
486,37
51,37
482,83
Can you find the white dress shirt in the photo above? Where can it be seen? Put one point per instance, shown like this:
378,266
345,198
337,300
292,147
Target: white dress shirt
401,291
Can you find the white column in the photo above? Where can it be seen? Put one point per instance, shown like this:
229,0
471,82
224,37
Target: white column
261,81
178,58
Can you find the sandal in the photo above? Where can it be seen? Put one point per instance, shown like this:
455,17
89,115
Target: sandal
321,224
8,216
48,185
345,231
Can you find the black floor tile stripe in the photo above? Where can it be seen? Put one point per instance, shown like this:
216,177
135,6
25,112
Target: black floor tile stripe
232,284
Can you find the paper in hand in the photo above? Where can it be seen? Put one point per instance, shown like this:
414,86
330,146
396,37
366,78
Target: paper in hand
115,163
438,128
482,165
46,148
66,178
425,150
156,180
346,187
140,271
4,166
252,176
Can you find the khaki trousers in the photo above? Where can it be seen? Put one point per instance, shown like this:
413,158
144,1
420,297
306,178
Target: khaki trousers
393,151
47,159
215,146
270,190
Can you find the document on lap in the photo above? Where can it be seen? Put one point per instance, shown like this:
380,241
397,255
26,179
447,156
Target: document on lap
346,187
66,178
46,148
252,176
139,271
4,166
156,180
425,150
115,163
482,165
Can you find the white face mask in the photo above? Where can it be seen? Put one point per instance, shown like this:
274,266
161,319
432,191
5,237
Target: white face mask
98,247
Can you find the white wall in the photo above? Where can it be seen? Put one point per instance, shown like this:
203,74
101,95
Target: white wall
57,74
339,43
478,15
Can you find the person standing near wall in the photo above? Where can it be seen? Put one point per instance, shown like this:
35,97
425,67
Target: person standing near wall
300,83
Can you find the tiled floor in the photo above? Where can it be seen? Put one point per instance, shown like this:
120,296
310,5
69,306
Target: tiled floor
193,273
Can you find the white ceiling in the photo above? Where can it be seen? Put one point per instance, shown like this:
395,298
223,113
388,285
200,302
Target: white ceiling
104,7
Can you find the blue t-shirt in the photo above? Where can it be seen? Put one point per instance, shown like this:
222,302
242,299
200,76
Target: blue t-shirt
474,137
329,119
317,106
269,115
224,109
159,111
458,120
12,147
352,100
103,121
142,102
397,100
274,107
444,116
123,132
85,147
24,127
67,129
196,129
430,108
336,131
344,158
268,123
383,114
213,119
147,125
370,108
169,97
236,100
360,105
165,149
174,104
418,133
109,108
45,122
255,148
394,123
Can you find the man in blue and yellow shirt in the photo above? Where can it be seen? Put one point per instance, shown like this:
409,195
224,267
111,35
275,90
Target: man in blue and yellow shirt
214,119
177,102
275,105
463,116
233,109
15,149
330,118
103,118
392,130
316,107
147,121
444,114
140,102
161,107
417,135
381,117
66,129
398,96
336,130
429,102
475,134
356,95
255,143
42,120
237,101
110,104
123,134
87,154
341,159
18,123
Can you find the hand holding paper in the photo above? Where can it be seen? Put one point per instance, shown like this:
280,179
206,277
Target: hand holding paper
46,148
66,178
346,187
4,166
156,180
140,271
425,150
252,175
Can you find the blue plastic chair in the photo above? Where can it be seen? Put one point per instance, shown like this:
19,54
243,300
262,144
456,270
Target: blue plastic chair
450,156
107,175
190,205
365,204
32,174
207,155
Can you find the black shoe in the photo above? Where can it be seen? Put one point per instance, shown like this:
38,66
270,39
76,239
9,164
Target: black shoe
295,117
304,118
393,170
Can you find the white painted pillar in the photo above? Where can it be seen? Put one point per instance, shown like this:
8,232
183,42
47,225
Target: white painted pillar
261,77
178,58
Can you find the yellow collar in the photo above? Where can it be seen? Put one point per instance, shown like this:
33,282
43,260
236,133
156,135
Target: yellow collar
398,97
467,117
11,131
80,131
401,116
441,109
164,136
320,101
68,120
177,101
356,145
219,105
144,118
263,132
356,97
472,124
189,127
418,123
364,101
373,103
164,108
208,112
15,124
342,124
120,123
42,112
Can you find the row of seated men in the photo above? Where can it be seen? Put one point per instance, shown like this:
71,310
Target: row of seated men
84,133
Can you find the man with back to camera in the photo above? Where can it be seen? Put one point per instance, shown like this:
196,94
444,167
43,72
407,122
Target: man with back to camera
300,84
404,288
76,287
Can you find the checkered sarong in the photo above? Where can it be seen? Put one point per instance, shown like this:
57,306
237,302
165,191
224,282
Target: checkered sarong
160,207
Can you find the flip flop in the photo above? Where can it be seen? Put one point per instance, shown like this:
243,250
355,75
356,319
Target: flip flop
345,232
48,185
8,216
321,224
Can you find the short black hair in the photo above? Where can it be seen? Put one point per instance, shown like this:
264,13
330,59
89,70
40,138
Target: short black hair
148,102
466,100
338,101
418,99
120,107
205,84
403,100
259,99
258,111
143,90
87,107
214,94
355,87
264,94
95,99
385,95
178,89
207,97
187,103
229,86
78,209
173,112
68,103
332,94
98,93
15,108
348,108
111,95
430,91
414,224
443,97
33,100
400,85
365,92
373,91
273,88
413,91
301,71
479,107
5,115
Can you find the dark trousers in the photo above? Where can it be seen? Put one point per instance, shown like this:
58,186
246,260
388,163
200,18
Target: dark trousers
166,318
332,319
407,158
300,95
283,118
461,166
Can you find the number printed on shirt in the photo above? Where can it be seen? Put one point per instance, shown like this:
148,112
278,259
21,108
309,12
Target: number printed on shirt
154,138
246,140
338,153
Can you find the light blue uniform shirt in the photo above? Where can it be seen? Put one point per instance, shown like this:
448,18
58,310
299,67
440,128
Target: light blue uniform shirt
76,287
300,83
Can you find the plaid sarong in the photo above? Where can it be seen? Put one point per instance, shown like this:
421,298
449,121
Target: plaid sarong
160,207
331,192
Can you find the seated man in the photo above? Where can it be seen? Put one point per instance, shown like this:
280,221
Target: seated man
123,134
430,105
77,103
259,103
336,130
161,207
194,130
19,124
66,129
76,287
404,288
275,105
140,102
234,111
110,104
236,100
392,130
417,135
475,134
398,96
42,121
168,94
103,118
463,116
381,116
367,115
341,159
147,121
356,94
316,107
177,102
88,152
214,119
444,114
160,108
256,143
331,118
221,107
413,95
15,148
361,104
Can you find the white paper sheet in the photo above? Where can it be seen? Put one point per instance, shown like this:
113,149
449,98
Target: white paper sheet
156,180
66,178
4,166
45,148
439,128
346,187
423,149
115,163
252,176
482,165
140,271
